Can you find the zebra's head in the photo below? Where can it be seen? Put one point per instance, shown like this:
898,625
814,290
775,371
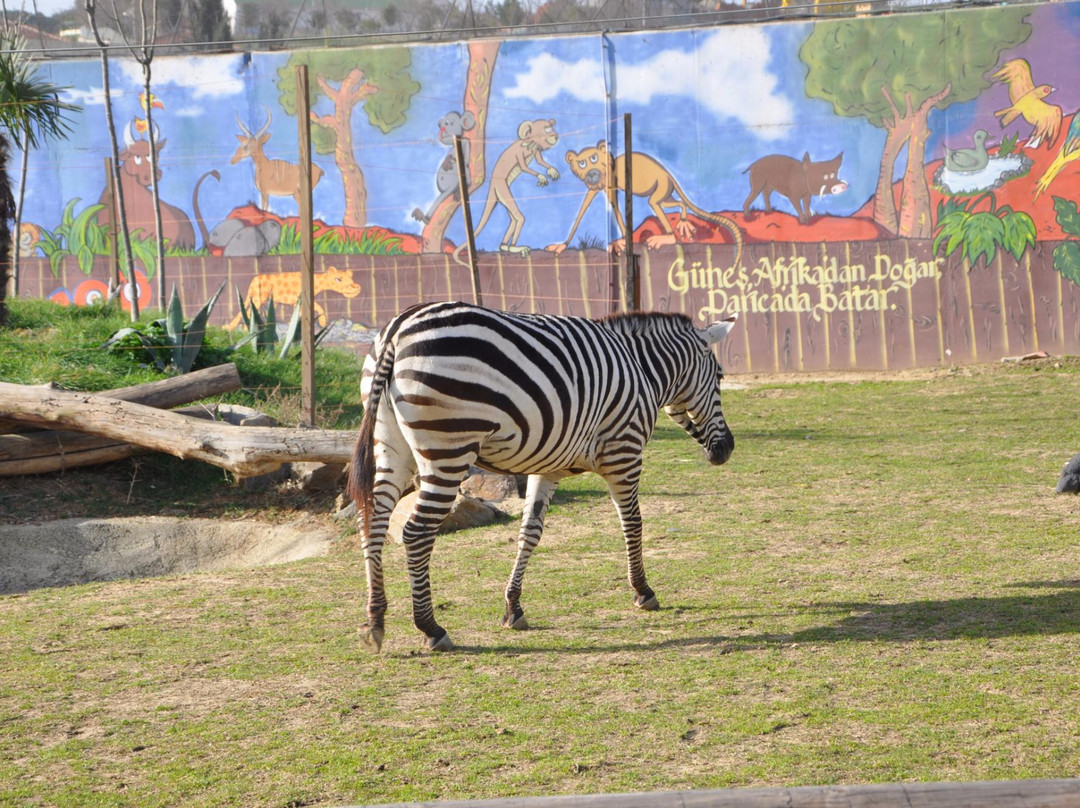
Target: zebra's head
696,407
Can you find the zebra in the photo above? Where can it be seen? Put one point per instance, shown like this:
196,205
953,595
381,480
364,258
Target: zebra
448,386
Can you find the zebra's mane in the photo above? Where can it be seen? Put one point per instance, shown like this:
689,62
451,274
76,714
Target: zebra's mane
638,323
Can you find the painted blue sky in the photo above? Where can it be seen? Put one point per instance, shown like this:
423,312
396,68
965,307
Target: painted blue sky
705,103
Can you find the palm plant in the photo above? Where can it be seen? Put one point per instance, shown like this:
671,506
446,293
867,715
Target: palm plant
32,113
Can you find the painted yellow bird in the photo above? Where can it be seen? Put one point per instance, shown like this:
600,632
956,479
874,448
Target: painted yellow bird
1026,100
140,123
1070,150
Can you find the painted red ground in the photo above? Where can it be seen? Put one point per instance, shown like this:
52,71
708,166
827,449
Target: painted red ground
1019,193
760,227
252,215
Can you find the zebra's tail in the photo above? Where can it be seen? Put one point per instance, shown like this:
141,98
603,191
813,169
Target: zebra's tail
361,482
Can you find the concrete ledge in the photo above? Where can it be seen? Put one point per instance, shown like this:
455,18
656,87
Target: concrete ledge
991,794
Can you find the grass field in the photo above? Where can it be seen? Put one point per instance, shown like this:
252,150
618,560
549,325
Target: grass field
880,586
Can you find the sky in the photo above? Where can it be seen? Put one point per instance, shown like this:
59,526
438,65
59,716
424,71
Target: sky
46,7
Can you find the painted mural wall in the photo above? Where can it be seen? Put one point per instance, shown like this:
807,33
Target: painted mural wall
877,192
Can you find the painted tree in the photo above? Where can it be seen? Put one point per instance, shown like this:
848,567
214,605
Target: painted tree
377,80
482,55
893,71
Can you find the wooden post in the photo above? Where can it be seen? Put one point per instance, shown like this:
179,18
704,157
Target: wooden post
114,225
307,252
633,286
470,237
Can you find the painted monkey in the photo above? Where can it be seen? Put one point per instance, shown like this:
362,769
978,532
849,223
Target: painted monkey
594,167
533,139
453,124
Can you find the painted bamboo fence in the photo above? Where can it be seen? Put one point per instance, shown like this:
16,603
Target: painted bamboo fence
828,306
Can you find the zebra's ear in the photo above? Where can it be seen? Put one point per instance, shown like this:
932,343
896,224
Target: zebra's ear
717,331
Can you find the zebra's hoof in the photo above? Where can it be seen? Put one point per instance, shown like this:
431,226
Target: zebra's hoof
442,644
649,605
518,623
372,638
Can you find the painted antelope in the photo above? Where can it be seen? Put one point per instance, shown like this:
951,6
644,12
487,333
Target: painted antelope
272,177
449,385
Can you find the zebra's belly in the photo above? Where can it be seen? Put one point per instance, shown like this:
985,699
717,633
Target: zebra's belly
507,456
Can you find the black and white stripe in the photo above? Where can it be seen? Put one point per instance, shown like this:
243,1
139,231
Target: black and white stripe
451,385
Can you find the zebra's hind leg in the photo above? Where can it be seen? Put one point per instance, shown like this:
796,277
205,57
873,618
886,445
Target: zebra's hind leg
394,472
537,497
438,489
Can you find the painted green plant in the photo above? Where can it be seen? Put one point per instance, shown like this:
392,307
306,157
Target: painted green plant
1067,253
1008,145
373,241
981,233
80,236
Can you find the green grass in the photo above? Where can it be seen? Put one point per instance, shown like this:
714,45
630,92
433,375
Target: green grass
880,586
46,342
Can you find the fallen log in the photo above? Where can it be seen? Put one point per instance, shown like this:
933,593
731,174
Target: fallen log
163,394
47,450
245,451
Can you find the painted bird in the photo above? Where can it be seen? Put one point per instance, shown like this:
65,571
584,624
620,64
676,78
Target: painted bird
1070,150
968,160
140,123
1026,100
1069,482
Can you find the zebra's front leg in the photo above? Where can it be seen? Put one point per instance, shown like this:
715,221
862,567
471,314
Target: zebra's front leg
537,497
625,496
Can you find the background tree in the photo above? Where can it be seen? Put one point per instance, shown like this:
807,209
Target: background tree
32,113
209,23
377,79
893,71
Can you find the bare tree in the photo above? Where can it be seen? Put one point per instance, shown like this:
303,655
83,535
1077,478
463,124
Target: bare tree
91,9
142,49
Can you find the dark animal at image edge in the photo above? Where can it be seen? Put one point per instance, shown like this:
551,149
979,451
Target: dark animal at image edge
449,385
799,181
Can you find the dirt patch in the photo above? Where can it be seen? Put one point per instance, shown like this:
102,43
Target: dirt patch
73,551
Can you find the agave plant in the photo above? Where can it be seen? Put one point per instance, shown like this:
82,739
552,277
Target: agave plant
170,343
262,329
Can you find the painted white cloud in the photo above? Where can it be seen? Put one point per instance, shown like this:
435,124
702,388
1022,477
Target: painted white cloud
203,77
548,76
704,75
94,97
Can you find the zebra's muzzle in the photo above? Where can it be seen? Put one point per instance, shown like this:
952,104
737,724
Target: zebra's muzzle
721,450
